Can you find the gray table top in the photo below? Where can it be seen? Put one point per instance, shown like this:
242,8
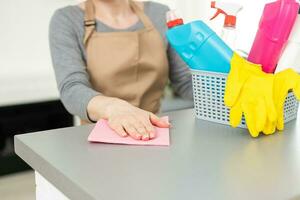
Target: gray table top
205,161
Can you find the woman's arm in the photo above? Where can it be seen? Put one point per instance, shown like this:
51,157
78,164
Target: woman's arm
76,91
69,67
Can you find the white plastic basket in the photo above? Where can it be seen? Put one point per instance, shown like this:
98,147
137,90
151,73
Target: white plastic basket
209,89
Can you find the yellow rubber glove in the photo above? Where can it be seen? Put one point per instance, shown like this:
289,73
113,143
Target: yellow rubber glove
240,71
256,102
270,127
284,82
250,91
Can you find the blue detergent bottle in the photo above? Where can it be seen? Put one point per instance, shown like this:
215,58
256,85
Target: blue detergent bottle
199,46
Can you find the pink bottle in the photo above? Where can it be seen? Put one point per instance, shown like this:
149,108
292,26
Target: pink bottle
275,26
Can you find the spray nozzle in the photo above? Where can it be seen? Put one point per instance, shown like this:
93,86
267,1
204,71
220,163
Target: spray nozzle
230,10
219,11
172,19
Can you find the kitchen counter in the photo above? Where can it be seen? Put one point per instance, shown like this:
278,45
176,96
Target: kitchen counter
205,161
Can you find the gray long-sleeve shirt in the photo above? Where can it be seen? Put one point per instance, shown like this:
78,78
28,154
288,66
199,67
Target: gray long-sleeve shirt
69,57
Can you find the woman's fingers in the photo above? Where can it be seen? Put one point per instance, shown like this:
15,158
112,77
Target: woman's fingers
138,125
118,128
148,127
135,128
136,122
142,130
130,129
158,122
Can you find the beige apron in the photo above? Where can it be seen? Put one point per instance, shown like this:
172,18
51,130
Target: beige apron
132,66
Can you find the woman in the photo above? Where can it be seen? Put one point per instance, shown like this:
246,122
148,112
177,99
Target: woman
112,61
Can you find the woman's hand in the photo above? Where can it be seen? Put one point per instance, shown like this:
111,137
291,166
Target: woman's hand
124,118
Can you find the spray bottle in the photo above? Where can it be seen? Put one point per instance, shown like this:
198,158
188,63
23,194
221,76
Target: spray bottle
199,46
291,55
230,10
274,29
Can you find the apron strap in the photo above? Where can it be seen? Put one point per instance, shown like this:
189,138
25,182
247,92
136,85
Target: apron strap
141,14
89,20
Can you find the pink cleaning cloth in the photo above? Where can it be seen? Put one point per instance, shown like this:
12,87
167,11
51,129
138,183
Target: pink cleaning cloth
104,134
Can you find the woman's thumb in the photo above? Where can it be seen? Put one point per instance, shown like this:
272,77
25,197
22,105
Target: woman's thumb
156,121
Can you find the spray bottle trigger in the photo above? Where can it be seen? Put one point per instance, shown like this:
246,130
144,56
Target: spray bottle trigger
219,11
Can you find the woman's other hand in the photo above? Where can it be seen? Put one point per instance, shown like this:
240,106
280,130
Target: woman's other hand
124,118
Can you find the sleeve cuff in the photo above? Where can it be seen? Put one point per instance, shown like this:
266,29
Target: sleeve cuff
88,96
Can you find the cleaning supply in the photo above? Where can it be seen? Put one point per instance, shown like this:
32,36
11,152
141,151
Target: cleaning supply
240,72
249,91
290,57
198,45
285,81
274,29
256,103
258,95
172,19
230,10
104,134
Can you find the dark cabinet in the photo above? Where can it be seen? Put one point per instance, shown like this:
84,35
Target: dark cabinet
24,119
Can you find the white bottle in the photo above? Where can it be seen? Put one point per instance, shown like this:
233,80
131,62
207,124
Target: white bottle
229,35
291,55
230,10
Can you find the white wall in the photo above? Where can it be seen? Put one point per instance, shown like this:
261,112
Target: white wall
25,67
